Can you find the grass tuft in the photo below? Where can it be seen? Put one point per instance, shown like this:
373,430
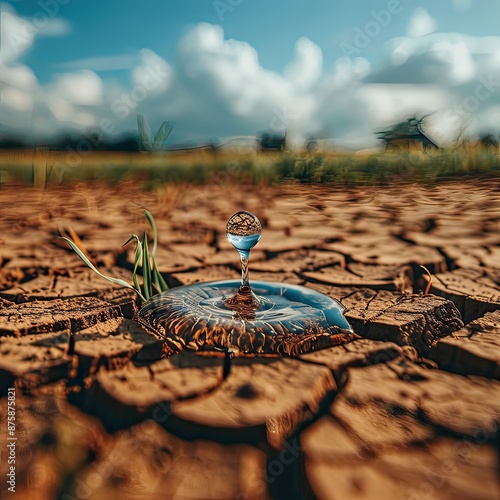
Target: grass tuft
154,167
152,280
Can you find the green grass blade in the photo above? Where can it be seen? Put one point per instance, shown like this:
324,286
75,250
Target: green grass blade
131,238
144,132
146,268
162,134
158,280
152,223
91,266
137,258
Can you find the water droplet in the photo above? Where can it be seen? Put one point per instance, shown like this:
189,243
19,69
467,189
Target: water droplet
243,230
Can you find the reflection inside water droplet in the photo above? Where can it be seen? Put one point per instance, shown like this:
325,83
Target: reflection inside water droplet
243,230
243,243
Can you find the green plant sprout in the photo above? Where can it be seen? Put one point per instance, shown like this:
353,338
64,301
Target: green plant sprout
149,142
152,280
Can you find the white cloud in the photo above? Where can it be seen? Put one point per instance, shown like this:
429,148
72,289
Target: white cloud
19,33
307,66
448,59
347,71
83,87
491,117
458,58
61,108
20,88
17,99
70,100
421,23
18,75
51,27
153,74
217,87
222,81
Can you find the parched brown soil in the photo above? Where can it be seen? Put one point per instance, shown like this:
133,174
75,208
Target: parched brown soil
412,410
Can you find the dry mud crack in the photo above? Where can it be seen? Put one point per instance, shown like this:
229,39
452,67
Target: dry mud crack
411,410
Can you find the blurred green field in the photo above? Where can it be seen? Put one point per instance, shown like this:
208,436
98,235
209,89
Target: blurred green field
41,167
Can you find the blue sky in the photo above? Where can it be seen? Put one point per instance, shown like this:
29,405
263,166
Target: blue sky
286,63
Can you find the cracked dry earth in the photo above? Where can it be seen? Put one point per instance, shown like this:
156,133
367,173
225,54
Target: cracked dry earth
410,411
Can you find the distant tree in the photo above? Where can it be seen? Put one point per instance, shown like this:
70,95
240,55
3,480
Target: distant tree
64,141
11,143
96,139
461,140
126,142
488,141
311,144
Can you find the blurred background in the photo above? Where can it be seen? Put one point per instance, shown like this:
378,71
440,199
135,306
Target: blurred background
249,74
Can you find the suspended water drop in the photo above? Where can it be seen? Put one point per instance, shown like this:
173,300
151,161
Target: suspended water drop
243,230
